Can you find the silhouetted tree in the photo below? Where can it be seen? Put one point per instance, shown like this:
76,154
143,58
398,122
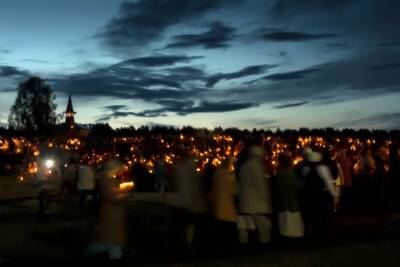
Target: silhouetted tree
34,108
102,130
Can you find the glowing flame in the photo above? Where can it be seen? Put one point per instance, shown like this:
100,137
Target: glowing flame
126,185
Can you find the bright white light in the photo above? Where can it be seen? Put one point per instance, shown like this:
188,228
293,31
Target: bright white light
49,163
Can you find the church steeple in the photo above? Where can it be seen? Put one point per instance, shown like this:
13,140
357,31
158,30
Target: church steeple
69,114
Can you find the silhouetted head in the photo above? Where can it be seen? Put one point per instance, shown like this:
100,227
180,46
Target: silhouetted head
285,160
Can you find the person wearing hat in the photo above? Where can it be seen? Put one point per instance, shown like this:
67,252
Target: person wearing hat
254,198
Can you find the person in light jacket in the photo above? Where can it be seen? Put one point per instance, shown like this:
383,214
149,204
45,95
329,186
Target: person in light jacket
254,198
86,184
190,197
223,193
113,232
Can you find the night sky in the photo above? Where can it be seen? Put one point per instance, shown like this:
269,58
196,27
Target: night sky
229,63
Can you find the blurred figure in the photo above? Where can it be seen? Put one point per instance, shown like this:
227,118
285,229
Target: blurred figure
189,191
254,198
223,193
300,167
113,231
380,181
287,199
301,170
141,176
69,177
46,180
368,166
86,183
319,193
160,181
339,191
345,178
365,181
395,176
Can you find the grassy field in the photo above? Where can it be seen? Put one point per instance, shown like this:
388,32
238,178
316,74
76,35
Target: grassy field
155,237
155,240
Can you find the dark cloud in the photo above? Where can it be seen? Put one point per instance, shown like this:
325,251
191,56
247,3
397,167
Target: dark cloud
260,123
382,120
114,107
283,8
247,71
217,36
186,70
180,107
355,77
290,105
10,71
286,36
386,66
342,80
42,61
142,21
283,54
223,106
5,51
364,22
129,83
185,75
128,79
156,61
291,75
339,45
388,44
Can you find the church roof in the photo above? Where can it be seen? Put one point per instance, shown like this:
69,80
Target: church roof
70,108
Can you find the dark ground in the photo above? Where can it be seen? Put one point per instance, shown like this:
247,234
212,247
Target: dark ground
155,239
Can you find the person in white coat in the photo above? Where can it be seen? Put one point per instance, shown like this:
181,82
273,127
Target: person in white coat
86,184
254,198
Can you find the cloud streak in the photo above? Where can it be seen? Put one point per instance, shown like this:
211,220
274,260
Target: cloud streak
292,75
247,71
181,108
156,61
217,36
10,71
291,105
286,36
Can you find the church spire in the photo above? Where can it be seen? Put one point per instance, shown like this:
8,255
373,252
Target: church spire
69,114
70,108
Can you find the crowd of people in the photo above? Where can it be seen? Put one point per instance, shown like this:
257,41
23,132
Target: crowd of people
246,202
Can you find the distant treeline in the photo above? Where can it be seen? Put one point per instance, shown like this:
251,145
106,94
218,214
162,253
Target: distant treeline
106,131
